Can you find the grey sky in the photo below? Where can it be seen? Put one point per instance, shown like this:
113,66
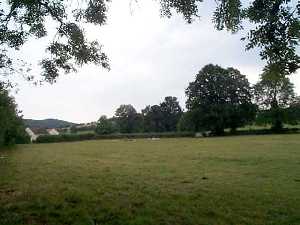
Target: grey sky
151,57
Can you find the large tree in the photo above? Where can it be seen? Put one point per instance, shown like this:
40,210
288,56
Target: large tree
220,98
171,112
129,121
153,119
273,26
163,117
274,94
105,126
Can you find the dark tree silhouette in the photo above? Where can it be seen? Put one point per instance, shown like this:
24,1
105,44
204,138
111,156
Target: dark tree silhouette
220,98
128,119
153,119
171,112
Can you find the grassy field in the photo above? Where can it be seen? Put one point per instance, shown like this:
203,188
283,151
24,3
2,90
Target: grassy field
213,181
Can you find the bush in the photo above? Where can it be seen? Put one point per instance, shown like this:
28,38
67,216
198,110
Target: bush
22,139
266,131
92,136
64,138
12,129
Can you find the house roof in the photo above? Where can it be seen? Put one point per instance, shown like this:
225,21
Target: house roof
39,131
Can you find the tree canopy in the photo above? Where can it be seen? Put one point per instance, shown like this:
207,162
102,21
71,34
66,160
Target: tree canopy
128,119
153,119
273,91
273,27
273,94
275,30
22,20
172,113
220,98
105,126
163,117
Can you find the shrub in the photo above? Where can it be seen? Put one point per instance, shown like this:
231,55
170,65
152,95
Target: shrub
266,131
12,129
92,136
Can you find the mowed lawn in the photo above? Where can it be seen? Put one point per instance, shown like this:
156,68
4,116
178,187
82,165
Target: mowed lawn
212,181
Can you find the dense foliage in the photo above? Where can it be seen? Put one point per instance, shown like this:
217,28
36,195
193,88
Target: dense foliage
220,98
153,119
11,124
294,112
272,91
172,113
105,126
274,95
129,121
188,122
93,136
163,117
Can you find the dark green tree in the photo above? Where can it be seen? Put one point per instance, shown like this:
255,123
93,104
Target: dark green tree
105,126
11,124
129,121
171,112
187,122
220,98
274,94
153,119
146,119
293,112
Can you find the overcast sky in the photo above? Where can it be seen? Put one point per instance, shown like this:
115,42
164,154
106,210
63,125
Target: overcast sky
151,57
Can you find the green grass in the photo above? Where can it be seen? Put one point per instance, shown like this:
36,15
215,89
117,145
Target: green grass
213,181
263,127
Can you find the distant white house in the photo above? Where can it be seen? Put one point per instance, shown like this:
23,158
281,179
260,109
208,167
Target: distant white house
37,132
52,132
31,134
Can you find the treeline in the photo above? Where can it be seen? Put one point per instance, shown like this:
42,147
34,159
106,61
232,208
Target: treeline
222,99
163,117
217,99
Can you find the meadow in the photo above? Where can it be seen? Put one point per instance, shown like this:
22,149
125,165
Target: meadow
252,180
